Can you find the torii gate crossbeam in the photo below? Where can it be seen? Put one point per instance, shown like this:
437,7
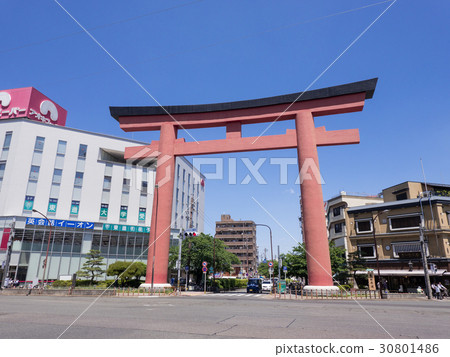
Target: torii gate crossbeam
301,107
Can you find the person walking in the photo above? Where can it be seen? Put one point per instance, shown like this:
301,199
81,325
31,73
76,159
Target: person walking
438,291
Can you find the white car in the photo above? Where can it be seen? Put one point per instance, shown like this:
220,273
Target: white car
267,285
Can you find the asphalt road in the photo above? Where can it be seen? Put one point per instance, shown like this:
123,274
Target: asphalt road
220,316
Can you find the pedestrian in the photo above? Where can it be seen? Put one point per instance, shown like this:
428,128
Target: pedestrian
400,288
439,291
433,290
444,291
385,286
419,290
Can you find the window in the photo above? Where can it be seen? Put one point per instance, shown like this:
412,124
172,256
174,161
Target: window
57,174
363,226
336,211
126,185
7,141
144,187
401,196
405,222
78,179
366,250
338,228
61,150
2,170
39,144
82,151
34,173
107,183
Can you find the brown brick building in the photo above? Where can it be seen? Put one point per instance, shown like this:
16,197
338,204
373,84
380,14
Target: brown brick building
240,239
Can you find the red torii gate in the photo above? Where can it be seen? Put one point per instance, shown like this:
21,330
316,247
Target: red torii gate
303,107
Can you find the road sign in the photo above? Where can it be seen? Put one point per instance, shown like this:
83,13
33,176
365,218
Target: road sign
205,264
211,269
284,268
186,268
270,264
205,269
270,270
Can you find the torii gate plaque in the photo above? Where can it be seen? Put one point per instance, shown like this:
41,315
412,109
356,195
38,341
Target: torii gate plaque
303,108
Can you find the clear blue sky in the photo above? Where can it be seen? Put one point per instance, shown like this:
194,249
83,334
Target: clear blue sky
192,52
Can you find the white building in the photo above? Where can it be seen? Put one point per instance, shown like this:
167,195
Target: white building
337,218
94,199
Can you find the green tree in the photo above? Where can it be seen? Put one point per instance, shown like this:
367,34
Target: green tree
295,262
92,266
135,270
202,249
126,271
355,263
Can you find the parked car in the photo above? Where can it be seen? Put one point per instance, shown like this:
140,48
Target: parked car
267,285
254,285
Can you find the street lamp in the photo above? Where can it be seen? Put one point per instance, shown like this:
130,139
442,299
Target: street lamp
271,247
48,244
376,250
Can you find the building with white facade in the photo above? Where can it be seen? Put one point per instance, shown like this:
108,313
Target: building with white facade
337,218
79,180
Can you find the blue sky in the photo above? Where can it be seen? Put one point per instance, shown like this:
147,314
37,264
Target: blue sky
192,52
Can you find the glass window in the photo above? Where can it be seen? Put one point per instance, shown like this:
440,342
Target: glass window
144,187
37,241
57,174
126,185
57,241
96,240
405,222
130,246
366,251
122,244
105,244
34,173
39,144
338,228
113,244
107,183
82,151
77,240
336,211
363,226
2,169
61,150
78,179
7,141
68,239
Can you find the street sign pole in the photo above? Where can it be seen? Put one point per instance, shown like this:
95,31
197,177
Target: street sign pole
204,277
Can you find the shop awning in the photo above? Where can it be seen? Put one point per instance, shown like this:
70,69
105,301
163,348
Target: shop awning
407,248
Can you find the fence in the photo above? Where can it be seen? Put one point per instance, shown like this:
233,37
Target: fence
320,294
144,292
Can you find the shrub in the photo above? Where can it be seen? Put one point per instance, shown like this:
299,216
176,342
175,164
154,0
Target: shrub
62,283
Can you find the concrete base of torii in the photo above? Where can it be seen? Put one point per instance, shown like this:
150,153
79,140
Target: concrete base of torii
320,289
148,286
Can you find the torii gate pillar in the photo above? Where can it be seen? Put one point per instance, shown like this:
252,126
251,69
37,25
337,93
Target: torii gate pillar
313,216
301,107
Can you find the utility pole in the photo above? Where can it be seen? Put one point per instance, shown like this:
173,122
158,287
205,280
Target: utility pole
180,243
423,251
279,265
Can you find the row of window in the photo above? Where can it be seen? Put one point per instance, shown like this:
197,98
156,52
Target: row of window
367,251
363,226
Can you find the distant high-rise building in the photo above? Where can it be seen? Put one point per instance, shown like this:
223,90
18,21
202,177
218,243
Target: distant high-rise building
240,239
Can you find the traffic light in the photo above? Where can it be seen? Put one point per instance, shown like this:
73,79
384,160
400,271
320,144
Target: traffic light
190,234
